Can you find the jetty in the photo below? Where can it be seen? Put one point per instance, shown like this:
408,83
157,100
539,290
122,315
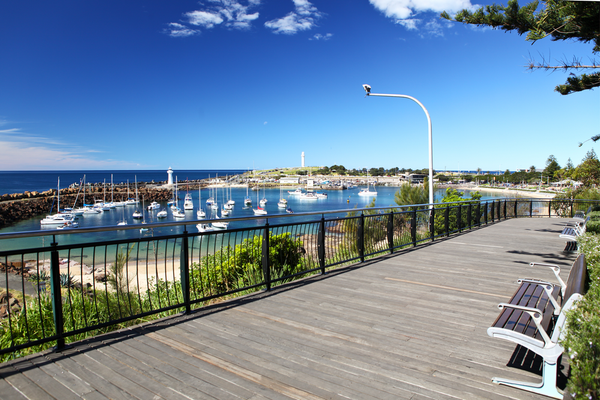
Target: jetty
408,325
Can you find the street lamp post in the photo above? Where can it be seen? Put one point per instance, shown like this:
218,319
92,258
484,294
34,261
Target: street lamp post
368,90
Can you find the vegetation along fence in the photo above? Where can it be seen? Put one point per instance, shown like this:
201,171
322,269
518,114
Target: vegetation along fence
59,293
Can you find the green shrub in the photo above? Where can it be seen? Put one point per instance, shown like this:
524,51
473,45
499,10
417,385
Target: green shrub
582,341
595,216
593,226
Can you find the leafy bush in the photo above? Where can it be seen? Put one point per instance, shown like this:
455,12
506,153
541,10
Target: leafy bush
451,199
66,280
582,340
593,226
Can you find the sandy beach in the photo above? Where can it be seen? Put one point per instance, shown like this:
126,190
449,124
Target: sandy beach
512,193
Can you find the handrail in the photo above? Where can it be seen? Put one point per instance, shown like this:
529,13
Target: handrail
106,228
125,280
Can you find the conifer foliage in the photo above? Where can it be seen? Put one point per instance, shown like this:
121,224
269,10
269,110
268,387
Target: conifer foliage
557,19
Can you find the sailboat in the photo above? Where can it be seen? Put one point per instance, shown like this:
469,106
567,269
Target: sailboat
247,200
263,201
87,210
123,221
258,210
230,200
143,228
130,201
210,200
188,204
72,210
367,191
282,201
177,212
58,218
200,214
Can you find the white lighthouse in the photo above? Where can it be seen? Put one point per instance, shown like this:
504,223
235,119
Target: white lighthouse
170,179
302,159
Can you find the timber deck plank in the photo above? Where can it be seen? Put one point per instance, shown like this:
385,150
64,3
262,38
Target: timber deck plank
411,325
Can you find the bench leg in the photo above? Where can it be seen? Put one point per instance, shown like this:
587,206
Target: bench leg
547,387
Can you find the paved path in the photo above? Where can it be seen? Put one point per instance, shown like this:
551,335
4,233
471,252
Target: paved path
407,326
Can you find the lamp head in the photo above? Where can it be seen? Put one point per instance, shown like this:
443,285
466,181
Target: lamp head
367,88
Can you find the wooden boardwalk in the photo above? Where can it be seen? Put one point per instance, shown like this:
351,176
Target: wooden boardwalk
407,326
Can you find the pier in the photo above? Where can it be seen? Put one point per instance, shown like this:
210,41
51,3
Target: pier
409,325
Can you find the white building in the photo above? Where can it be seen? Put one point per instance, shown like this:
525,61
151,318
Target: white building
302,164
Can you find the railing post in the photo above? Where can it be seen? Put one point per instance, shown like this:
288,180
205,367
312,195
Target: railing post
390,231
459,218
413,227
549,208
516,209
571,208
487,209
432,223
55,292
469,210
321,245
530,208
447,220
478,213
265,257
493,211
361,237
504,210
184,270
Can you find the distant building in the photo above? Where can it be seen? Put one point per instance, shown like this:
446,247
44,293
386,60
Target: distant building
302,163
416,178
288,180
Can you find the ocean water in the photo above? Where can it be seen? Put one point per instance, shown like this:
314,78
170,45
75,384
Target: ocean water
21,181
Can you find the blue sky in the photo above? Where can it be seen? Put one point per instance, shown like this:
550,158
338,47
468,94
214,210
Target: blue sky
234,84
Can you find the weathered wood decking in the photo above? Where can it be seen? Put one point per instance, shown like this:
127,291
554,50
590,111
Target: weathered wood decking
407,326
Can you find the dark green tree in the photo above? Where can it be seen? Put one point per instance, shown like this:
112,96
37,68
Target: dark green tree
557,19
588,172
552,166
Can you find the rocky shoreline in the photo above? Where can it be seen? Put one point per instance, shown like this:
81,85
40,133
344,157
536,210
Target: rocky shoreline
20,206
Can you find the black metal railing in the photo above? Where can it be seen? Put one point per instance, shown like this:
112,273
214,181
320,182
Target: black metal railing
62,292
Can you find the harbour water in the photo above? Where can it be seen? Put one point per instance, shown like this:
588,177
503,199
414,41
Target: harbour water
336,200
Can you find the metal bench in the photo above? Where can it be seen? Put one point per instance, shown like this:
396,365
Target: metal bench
535,318
580,216
571,233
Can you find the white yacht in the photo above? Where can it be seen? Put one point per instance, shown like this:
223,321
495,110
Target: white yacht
188,204
162,214
296,192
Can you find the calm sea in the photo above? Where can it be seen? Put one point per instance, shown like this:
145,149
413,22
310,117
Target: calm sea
21,181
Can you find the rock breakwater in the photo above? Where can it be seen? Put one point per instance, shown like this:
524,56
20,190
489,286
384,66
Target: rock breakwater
21,206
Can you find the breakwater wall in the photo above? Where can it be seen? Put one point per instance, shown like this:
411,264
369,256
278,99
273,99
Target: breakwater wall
21,206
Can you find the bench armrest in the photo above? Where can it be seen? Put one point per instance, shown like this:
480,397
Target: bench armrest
536,317
556,270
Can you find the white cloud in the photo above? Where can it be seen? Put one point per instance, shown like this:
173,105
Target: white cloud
402,11
21,151
302,18
229,13
410,24
318,36
203,18
178,30
434,28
